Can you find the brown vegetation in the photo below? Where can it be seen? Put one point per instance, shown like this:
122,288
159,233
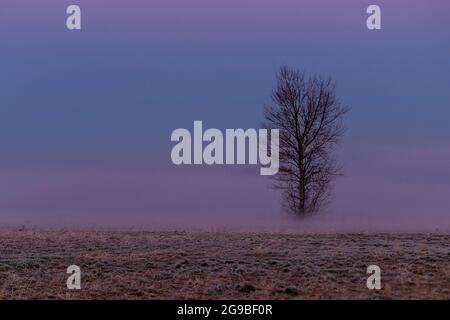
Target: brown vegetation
168,265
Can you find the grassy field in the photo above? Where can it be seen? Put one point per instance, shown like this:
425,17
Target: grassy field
191,265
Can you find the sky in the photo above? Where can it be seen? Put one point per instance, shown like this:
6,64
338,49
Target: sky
86,115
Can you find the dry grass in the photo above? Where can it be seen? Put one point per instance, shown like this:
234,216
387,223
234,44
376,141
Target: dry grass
172,265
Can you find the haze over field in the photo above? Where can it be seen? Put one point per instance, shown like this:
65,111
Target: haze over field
210,198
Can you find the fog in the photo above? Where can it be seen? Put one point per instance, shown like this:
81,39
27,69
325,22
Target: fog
384,189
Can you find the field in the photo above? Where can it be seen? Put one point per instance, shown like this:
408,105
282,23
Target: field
201,265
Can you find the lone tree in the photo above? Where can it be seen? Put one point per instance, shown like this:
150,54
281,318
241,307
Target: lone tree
310,119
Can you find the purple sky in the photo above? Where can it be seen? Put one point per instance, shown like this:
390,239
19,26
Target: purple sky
86,116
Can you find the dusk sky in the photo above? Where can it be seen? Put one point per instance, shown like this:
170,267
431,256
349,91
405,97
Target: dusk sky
86,115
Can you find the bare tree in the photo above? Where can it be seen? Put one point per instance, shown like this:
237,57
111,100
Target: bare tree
310,119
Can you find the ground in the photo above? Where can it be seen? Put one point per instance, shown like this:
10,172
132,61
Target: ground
201,265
